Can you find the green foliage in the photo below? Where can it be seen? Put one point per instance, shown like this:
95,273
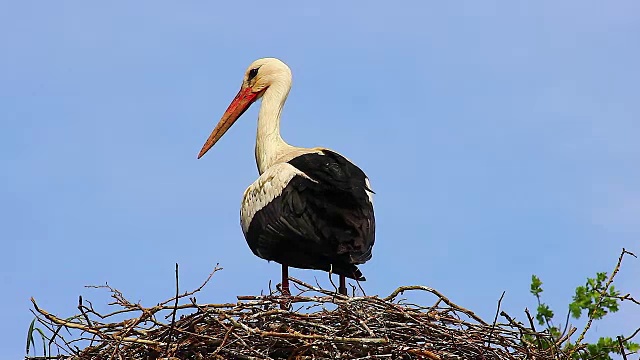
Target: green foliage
544,315
598,301
30,340
536,286
587,297
602,348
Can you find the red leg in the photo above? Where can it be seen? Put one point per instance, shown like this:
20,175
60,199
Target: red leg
285,280
284,305
343,285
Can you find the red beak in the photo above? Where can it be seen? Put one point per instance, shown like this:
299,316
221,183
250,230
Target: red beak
238,106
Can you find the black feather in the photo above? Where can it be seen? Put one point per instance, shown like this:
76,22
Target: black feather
324,221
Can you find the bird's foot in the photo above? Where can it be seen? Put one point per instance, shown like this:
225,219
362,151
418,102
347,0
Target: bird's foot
286,293
285,298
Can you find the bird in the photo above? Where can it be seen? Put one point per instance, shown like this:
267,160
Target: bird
310,208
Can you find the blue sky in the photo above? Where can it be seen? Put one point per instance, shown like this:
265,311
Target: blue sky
501,138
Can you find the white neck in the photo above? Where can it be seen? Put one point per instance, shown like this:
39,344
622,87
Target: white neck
269,143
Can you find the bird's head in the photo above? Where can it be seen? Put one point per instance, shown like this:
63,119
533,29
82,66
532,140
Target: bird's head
260,75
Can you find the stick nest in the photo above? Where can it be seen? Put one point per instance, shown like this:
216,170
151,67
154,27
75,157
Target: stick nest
315,324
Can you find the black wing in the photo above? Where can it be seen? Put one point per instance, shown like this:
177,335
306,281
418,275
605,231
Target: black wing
321,220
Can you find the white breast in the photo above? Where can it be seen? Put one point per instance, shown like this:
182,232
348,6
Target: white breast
268,186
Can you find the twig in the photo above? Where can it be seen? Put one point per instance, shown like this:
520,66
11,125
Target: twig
632,335
533,327
422,352
73,325
173,314
566,323
189,293
622,350
84,314
331,280
366,327
626,297
602,296
495,319
402,289
325,338
224,340
319,290
361,288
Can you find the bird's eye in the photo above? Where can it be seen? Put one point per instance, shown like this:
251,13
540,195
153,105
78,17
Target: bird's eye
252,73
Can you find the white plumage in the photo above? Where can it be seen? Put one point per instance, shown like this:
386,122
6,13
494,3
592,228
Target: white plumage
310,208
268,186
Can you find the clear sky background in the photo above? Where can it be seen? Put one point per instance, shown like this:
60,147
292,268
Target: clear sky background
501,137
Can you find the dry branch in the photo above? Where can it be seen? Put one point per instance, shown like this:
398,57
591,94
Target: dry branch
325,325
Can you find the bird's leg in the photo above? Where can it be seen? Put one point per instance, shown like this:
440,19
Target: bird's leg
343,285
285,280
284,305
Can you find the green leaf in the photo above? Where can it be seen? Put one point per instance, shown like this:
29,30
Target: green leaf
544,314
575,310
631,346
30,336
592,298
555,332
598,351
536,285
588,297
44,341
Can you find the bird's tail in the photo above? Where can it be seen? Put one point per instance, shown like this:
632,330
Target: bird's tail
349,270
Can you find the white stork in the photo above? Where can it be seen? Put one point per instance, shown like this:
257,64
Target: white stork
311,208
